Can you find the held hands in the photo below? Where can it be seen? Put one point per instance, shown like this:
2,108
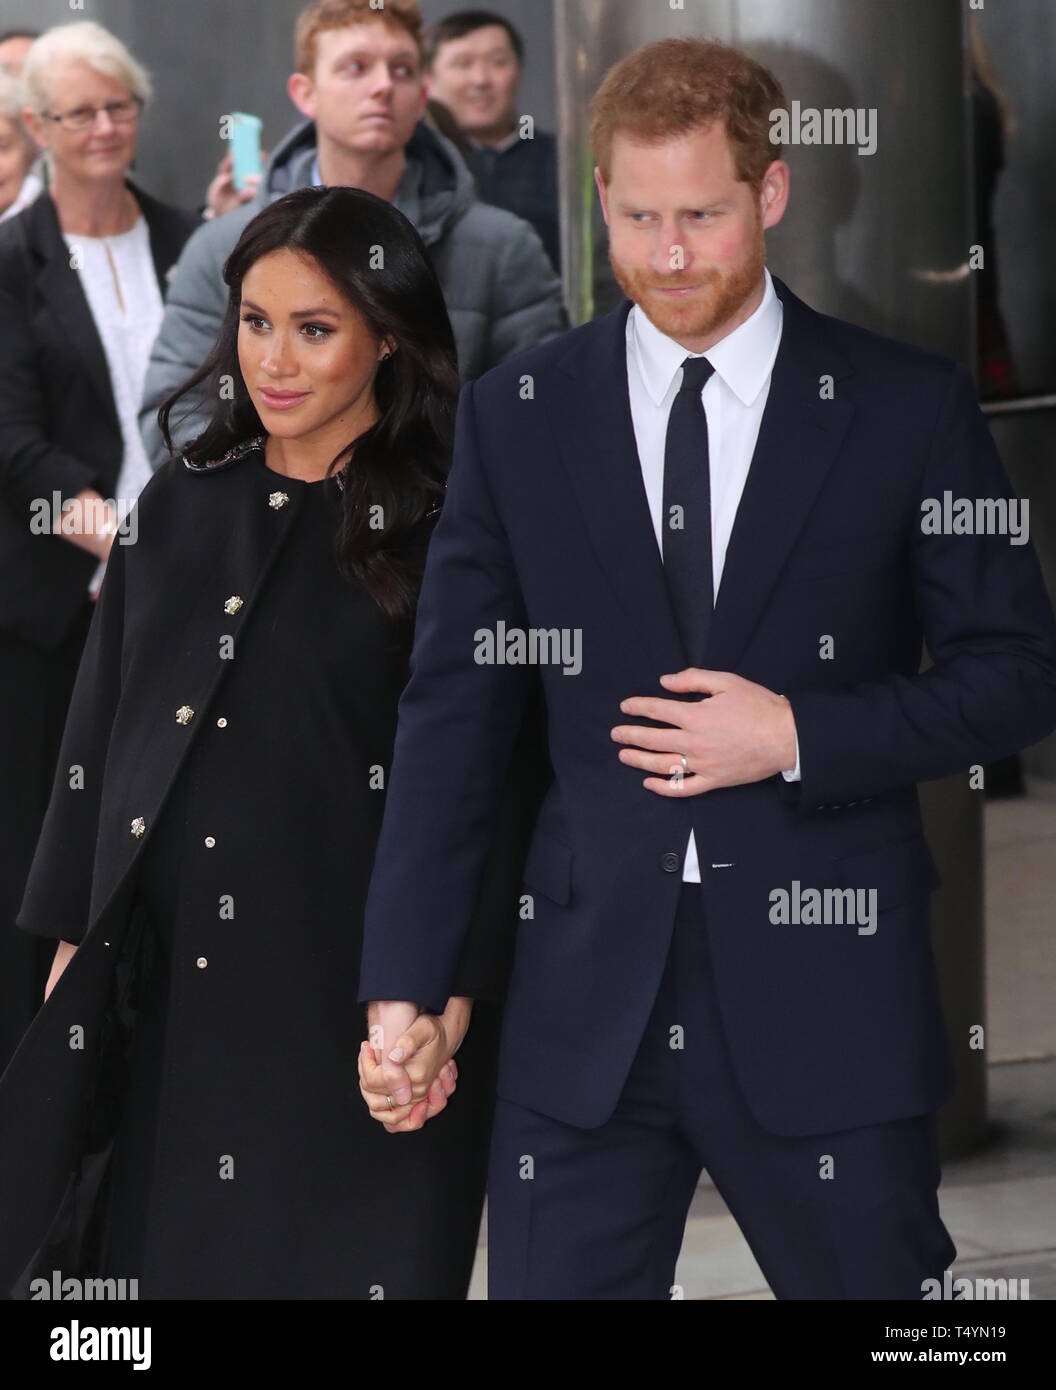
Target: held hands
742,733
409,1058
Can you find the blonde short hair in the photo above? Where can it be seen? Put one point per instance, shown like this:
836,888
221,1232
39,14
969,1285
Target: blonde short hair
85,42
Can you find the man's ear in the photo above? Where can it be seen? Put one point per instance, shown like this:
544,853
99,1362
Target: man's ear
301,91
774,193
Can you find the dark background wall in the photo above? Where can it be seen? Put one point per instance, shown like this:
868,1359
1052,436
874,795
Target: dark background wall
208,57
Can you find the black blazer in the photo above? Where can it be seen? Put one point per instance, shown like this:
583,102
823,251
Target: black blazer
59,430
546,526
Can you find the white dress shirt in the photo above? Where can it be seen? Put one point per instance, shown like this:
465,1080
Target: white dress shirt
734,398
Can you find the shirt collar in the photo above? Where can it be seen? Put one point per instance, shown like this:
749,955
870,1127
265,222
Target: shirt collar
406,195
743,359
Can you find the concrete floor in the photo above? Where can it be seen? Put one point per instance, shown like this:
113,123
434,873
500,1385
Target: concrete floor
999,1204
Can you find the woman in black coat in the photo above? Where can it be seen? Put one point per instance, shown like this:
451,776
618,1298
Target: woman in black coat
184,1109
83,274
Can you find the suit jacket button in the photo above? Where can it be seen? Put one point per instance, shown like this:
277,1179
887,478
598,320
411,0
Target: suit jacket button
138,826
184,714
670,862
233,604
277,500
221,723
209,842
201,962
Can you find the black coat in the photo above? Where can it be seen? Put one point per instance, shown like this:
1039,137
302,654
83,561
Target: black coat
59,430
264,1040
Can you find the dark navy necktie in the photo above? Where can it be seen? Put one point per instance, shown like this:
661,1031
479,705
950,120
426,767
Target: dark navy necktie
686,519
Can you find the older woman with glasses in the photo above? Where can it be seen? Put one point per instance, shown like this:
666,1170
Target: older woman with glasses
83,272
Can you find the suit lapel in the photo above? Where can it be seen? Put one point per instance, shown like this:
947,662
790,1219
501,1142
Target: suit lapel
597,445
167,236
60,286
799,439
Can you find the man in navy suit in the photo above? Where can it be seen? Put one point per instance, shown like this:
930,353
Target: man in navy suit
720,527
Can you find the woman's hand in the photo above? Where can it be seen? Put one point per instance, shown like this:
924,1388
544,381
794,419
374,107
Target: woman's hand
63,956
417,1070
89,522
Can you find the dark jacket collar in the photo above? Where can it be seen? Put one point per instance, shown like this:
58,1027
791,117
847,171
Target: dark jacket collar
168,229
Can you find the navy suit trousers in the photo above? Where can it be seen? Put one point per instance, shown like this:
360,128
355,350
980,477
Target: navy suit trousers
600,1213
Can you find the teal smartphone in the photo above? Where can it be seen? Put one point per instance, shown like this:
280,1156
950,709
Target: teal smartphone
245,147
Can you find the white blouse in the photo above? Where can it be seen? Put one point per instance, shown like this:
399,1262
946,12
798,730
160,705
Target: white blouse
117,275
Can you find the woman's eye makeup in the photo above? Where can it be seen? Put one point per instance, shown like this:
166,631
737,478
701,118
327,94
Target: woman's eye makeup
314,332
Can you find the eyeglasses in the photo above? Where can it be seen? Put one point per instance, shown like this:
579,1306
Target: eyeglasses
120,112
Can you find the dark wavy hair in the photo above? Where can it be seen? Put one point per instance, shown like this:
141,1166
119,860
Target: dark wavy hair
401,461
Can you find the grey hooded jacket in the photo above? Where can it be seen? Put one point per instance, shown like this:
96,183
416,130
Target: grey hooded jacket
501,291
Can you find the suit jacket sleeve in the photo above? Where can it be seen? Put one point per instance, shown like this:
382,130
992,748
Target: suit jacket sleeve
487,949
989,629
58,892
458,725
31,464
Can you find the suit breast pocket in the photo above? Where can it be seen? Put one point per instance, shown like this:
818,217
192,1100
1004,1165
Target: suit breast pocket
548,869
841,558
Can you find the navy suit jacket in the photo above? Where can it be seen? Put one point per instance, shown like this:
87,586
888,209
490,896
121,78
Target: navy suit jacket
546,525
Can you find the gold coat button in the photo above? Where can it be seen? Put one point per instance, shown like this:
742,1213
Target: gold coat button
201,962
278,499
233,604
209,842
138,826
184,714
